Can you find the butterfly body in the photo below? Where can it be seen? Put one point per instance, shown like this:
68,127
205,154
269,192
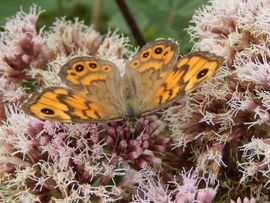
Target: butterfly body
97,92
130,112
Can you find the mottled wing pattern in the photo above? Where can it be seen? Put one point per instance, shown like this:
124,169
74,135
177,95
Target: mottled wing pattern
92,95
64,105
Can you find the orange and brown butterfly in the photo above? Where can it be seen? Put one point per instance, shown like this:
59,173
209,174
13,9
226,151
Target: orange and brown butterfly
96,91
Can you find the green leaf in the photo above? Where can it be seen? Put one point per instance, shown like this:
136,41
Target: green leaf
97,182
189,8
28,87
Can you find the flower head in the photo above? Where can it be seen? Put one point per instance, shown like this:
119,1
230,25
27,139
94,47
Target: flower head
139,145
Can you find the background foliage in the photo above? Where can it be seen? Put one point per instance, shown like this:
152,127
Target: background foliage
155,18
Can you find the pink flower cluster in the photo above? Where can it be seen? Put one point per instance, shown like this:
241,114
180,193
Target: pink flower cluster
152,189
219,134
128,145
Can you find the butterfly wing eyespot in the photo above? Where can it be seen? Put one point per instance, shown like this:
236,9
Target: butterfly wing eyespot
93,66
146,55
135,64
79,68
158,49
106,68
48,111
202,73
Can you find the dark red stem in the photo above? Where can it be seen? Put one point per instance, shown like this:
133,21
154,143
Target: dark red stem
131,22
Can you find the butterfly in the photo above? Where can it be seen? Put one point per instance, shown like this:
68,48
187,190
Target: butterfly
96,91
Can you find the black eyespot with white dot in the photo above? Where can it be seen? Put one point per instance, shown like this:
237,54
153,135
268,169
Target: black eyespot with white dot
79,68
146,54
47,111
93,65
158,50
202,73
